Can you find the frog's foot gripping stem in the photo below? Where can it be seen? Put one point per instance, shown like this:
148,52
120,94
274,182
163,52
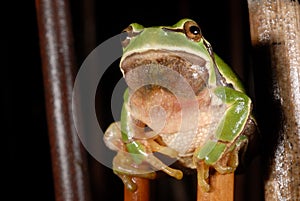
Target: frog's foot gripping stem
224,163
203,175
128,181
130,184
229,162
140,161
126,167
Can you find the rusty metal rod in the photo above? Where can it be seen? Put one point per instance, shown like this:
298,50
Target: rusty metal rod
57,52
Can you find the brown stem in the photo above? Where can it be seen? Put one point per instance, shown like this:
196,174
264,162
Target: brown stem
142,192
222,188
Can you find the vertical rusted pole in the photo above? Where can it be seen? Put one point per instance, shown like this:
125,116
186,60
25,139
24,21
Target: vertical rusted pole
275,27
56,45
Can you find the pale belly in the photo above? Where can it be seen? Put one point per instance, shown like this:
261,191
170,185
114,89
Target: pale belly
182,126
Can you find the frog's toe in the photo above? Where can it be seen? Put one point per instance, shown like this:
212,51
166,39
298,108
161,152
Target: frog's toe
159,165
204,185
112,137
125,168
127,181
228,163
224,169
202,176
123,163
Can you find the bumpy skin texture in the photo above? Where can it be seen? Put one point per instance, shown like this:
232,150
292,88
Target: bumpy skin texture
202,131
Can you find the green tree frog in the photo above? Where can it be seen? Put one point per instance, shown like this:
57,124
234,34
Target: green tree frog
182,101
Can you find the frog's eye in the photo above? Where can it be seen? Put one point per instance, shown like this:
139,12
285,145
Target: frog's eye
192,31
126,36
129,33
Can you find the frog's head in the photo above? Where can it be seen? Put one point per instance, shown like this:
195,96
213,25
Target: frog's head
164,53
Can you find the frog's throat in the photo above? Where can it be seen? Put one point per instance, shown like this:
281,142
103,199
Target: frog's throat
165,67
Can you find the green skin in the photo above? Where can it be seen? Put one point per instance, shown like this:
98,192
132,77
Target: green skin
219,152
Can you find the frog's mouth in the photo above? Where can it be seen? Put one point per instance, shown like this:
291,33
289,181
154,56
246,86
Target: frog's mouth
170,70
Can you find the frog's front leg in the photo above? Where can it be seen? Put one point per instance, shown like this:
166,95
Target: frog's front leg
135,156
221,151
230,160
